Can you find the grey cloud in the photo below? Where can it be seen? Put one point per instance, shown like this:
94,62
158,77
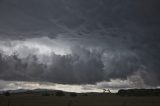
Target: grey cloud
82,66
63,69
79,18
124,34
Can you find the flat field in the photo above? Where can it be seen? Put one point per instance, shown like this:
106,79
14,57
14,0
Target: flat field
95,100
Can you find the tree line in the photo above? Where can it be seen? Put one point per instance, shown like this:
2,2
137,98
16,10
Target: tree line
139,92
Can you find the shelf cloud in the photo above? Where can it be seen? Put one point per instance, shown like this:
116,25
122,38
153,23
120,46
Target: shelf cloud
81,42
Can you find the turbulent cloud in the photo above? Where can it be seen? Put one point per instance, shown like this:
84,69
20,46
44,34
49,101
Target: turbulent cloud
80,42
81,65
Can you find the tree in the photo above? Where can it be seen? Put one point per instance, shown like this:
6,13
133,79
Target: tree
59,93
7,93
73,94
108,91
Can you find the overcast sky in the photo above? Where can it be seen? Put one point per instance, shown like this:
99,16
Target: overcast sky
80,43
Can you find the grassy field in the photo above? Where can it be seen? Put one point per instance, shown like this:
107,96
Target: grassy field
95,100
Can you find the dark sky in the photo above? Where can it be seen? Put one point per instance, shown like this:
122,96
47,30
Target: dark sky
80,41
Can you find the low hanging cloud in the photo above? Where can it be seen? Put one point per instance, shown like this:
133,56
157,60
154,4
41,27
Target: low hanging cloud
81,65
80,42
85,67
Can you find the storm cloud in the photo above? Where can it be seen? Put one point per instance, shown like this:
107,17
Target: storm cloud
80,41
81,65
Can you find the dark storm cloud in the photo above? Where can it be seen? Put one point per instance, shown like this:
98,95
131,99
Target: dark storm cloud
81,67
84,67
127,32
34,18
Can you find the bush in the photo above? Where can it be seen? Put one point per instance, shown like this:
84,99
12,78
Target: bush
59,93
73,94
45,94
84,95
7,94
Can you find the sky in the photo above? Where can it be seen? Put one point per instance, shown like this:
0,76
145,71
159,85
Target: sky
79,45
